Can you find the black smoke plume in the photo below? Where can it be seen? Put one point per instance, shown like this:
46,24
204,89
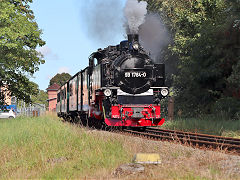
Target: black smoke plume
154,36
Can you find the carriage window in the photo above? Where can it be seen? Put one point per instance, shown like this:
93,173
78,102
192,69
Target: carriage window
95,62
64,94
71,90
58,97
76,87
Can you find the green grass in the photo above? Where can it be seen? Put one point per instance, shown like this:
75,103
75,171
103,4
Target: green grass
207,125
44,147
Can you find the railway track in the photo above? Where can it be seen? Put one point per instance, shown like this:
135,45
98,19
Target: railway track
195,139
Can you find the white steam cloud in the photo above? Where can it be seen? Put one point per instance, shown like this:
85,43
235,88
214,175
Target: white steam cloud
135,12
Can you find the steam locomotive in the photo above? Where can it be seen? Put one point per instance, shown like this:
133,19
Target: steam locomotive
122,86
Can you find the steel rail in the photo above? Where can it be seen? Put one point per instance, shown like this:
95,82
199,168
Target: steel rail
204,135
197,136
201,140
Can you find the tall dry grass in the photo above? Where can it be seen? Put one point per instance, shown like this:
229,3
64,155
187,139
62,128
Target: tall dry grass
207,125
44,147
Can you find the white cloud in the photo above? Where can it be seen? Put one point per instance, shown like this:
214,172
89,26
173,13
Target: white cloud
47,52
63,70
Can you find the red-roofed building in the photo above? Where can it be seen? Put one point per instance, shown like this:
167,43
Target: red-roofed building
52,96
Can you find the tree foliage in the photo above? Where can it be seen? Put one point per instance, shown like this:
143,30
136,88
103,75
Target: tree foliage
60,79
40,98
206,42
19,38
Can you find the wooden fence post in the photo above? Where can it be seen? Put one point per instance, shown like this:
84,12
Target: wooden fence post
171,108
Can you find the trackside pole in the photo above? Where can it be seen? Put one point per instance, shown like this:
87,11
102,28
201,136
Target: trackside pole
171,109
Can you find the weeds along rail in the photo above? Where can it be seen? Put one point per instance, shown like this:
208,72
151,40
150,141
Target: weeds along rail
197,136
195,139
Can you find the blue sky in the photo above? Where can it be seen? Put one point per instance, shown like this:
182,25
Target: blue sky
68,44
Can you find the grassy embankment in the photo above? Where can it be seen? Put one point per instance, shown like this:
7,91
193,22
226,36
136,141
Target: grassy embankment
44,147
206,125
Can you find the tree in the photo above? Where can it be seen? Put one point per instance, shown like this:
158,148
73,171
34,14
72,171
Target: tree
40,98
60,79
206,40
19,38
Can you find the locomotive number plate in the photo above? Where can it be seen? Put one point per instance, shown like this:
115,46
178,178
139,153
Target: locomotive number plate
135,74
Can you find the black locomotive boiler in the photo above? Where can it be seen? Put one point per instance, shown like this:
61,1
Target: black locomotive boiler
122,86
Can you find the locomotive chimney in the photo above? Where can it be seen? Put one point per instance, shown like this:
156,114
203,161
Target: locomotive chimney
133,38
133,42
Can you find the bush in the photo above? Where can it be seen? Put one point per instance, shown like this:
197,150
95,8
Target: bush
228,106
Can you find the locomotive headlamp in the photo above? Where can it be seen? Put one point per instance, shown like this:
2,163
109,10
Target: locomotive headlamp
135,46
164,92
107,92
